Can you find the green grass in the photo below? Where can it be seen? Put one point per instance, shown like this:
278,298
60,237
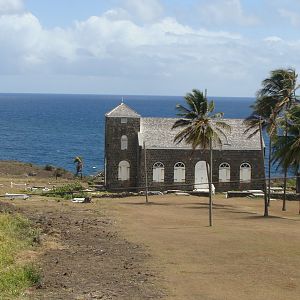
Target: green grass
16,235
67,191
290,183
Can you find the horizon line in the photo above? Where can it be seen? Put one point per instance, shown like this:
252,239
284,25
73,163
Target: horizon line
117,95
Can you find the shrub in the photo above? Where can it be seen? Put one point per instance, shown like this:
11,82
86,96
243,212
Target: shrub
67,191
48,168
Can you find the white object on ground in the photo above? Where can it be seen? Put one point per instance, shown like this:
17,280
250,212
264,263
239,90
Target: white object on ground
255,191
17,184
16,196
206,190
78,200
258,194
182,194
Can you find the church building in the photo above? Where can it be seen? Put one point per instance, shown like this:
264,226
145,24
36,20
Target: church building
134,144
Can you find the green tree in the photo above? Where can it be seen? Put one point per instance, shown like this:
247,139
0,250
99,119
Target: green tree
287,149
201,128
262,118
281,86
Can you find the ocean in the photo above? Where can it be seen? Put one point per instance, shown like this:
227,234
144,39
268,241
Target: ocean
53,129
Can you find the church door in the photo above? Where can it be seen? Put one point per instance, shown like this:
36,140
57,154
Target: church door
201,179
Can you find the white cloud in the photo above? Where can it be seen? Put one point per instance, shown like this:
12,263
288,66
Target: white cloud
10,6
144,10
226,12
273,39
293,17
121,55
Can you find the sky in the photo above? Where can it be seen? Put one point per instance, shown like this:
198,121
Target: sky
145,47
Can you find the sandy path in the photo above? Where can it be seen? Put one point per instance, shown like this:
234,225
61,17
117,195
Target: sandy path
244,256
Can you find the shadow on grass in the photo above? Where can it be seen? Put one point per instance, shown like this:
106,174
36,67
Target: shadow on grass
204,206
258,217
146,204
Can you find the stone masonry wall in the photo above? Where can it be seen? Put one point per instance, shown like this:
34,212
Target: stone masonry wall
114,130
171,156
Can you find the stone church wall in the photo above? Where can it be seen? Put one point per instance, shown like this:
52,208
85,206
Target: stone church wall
114,130
169,157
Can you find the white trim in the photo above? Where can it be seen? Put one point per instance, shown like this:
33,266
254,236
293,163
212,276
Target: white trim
224,172
245,172
123,170
158,172
124,142
179,172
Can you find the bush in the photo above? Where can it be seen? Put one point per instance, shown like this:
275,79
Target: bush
67,191
48,168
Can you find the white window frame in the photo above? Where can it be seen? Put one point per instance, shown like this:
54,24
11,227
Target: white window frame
158,172
245,177
224,172
124,142
179,172
123,120
124,170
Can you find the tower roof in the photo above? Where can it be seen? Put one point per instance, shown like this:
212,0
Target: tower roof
122,111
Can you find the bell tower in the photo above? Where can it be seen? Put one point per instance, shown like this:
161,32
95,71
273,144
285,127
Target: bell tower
122,125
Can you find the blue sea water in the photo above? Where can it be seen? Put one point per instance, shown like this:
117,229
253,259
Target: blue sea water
53,129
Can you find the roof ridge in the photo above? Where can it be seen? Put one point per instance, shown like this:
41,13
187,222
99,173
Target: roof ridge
123,110
174,118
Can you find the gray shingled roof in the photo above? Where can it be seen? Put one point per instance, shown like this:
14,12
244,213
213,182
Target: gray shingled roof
123,111
157,133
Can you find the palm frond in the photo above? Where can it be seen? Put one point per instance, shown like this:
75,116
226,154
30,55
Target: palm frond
197,122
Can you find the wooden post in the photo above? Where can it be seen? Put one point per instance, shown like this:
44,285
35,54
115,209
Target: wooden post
210,183
146,175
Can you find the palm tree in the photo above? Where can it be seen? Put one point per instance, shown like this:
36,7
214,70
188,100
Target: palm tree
280,86
79,165
262,118
287,149
201,128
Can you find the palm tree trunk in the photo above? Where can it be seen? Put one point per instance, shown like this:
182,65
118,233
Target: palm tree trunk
269,172
285,172
210,183
266,212
284,190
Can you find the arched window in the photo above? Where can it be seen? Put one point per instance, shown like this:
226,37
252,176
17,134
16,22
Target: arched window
224,172
245,172
158,172
179,172
124,170
124,142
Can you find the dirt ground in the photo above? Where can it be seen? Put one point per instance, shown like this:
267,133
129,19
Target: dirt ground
124,249
82,256
244,256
